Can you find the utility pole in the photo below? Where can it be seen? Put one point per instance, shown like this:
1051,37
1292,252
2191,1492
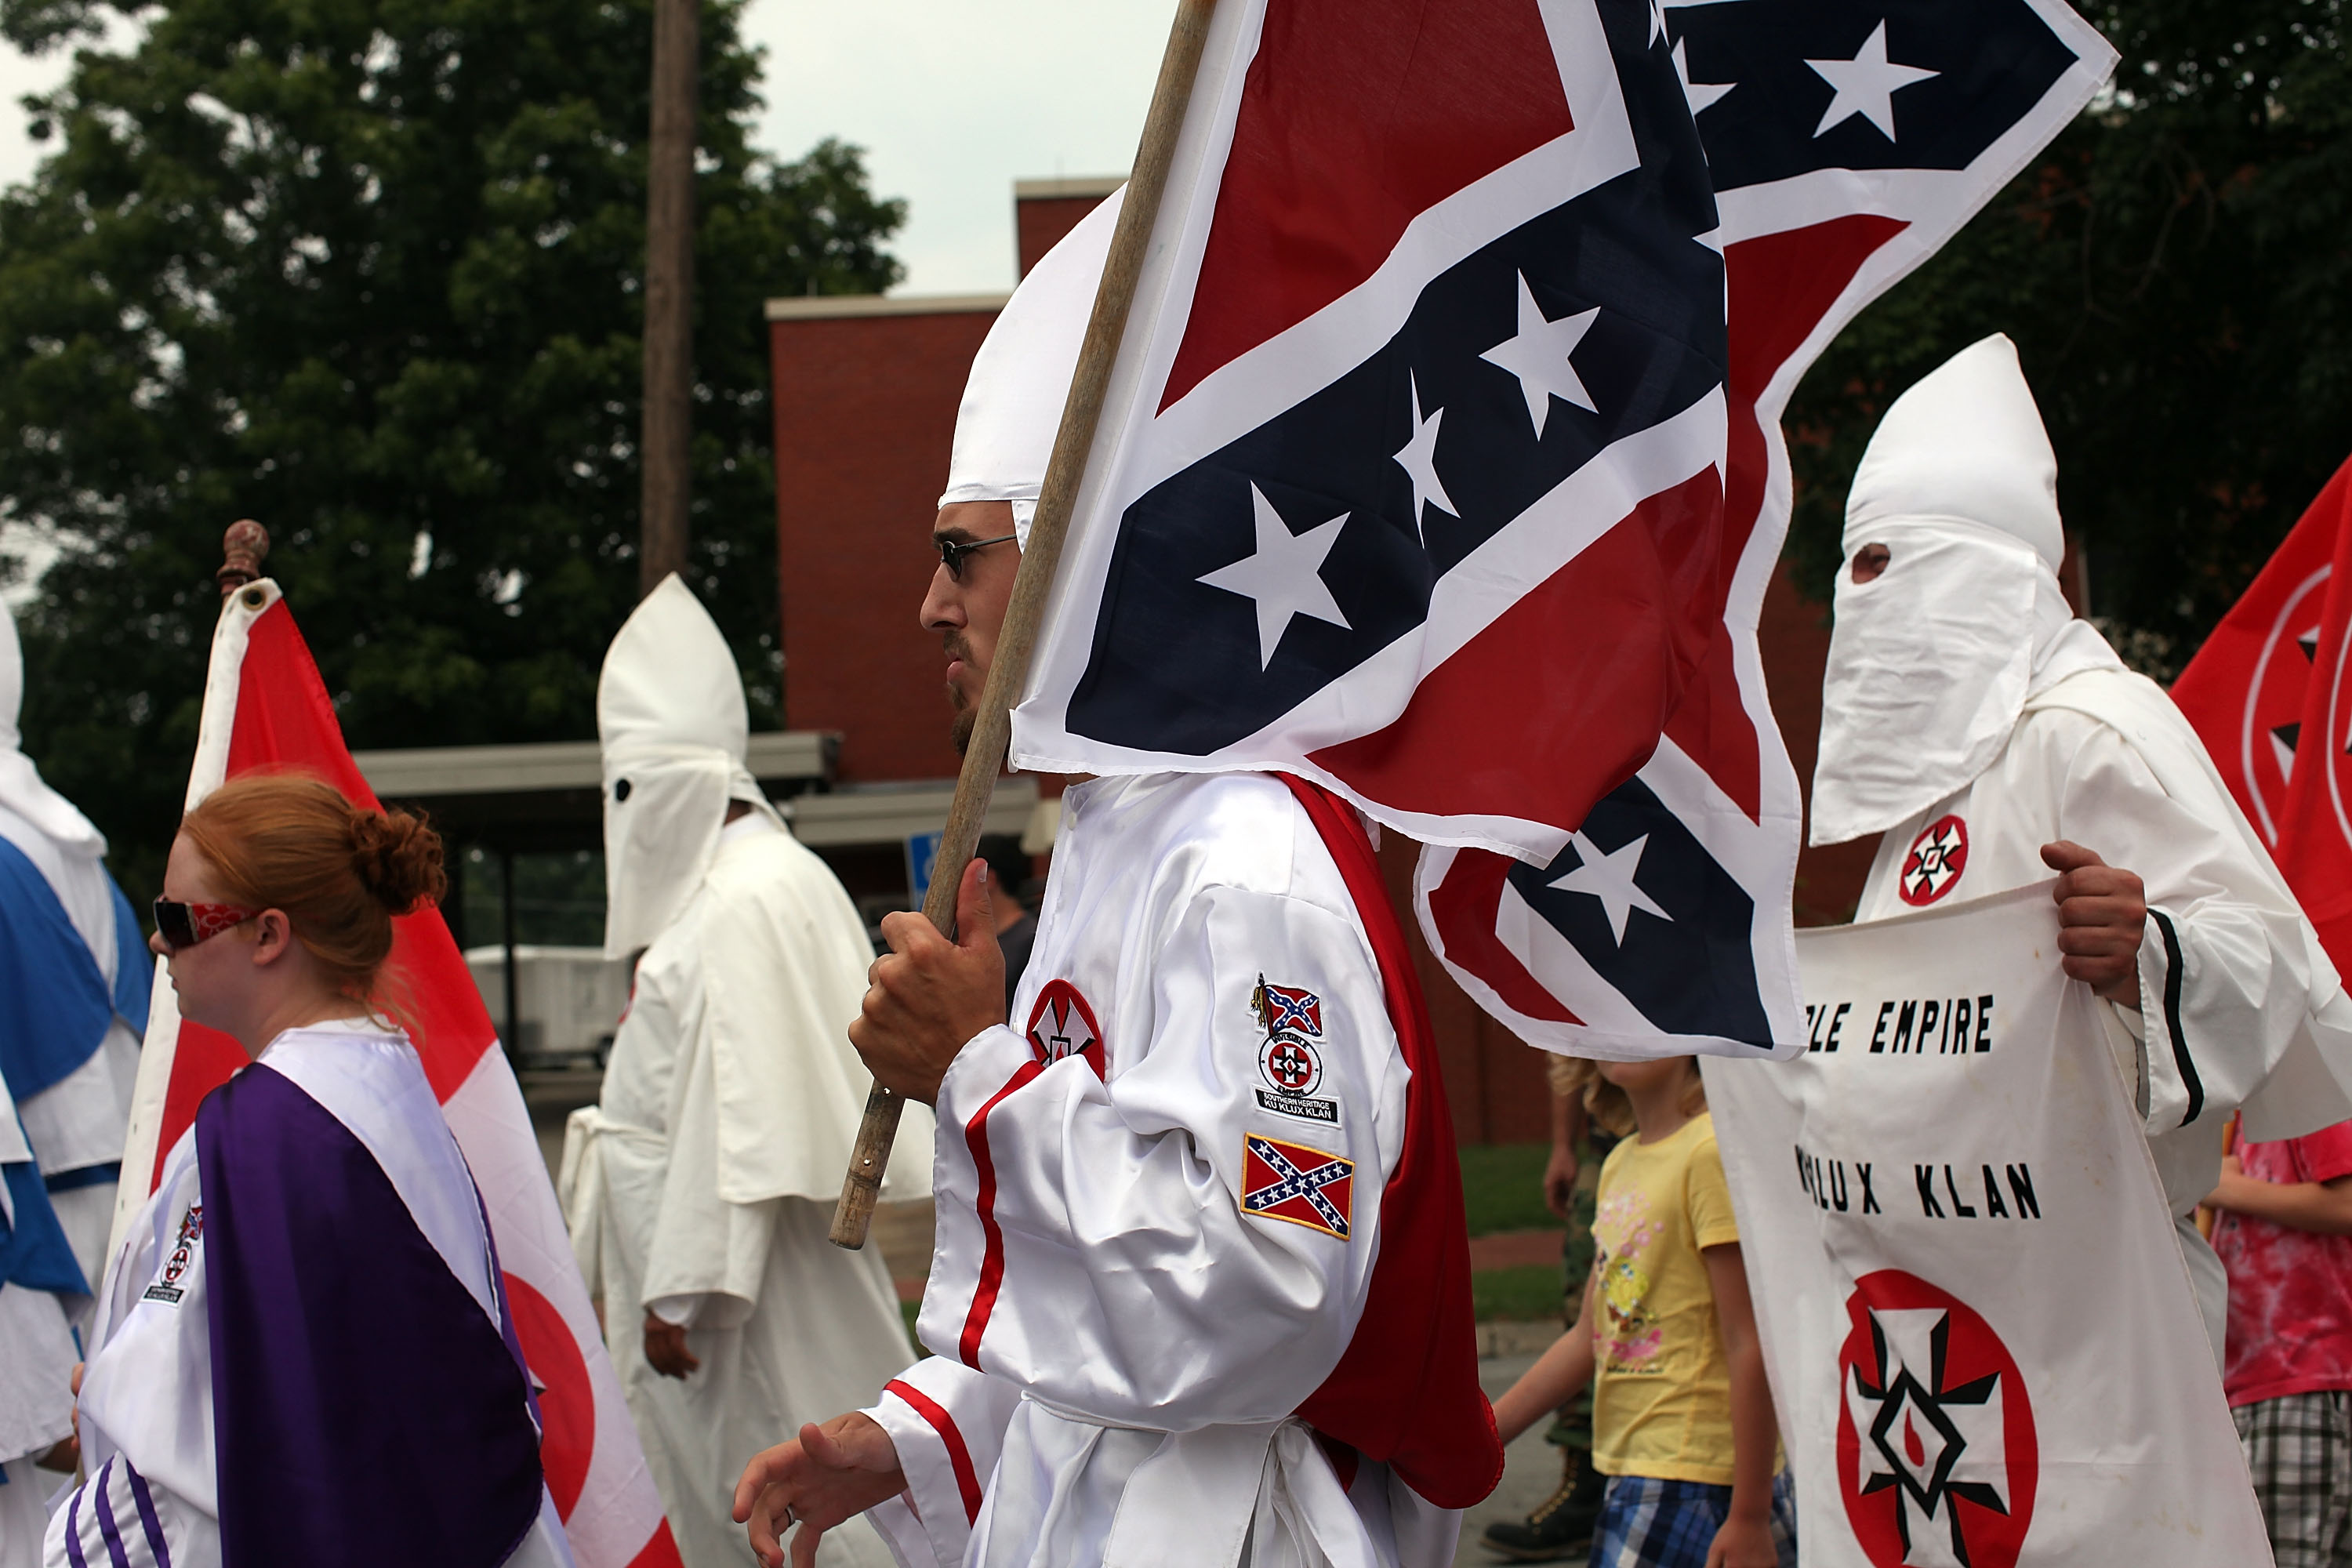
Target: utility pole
663,450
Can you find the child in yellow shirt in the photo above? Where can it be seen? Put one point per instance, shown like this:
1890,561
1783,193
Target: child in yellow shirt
1681,1417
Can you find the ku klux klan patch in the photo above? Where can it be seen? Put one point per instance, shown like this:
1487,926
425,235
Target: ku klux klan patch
1061,1024
167,1287
1293,1071
1937,858
1292,1182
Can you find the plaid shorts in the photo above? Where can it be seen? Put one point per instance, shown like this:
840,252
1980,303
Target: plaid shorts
1649,1523
2299,1448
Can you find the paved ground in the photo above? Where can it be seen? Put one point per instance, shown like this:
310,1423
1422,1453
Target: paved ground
1531,1470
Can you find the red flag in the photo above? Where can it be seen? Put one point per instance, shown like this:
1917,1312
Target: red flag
2269,696
265,706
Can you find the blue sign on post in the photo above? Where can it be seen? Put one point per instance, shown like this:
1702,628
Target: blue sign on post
922,853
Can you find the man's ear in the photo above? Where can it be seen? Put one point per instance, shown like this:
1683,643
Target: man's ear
273,936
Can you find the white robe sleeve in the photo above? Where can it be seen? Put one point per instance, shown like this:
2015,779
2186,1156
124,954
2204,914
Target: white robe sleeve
121,1518
2224,988
1093,1247
706,1257
948,1424
783,961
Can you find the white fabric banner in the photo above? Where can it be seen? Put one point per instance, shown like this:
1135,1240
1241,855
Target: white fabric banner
1981,1337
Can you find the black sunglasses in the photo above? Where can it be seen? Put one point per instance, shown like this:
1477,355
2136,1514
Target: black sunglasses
953,551
182,926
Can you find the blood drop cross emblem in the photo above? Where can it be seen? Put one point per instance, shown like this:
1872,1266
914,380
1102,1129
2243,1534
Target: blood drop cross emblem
1290,1065
1937,858
1061,1024
1935,1455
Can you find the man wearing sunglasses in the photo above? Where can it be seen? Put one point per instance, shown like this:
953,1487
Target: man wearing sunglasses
1155,1325
980,554
73,999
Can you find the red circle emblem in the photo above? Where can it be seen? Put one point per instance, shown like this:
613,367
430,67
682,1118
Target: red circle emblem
1062,1025
1935,1454
2269,726
2330,746
1290,1065
1937,858
567,1402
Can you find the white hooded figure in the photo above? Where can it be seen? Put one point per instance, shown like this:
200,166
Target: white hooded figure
700,1190
1971,719
74,972
69,1037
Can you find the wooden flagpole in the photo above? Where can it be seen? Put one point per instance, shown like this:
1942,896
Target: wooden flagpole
992,727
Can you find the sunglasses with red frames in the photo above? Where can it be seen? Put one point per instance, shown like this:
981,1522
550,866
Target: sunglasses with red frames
182,926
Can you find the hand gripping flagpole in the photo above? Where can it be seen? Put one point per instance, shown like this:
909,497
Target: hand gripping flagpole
1009,672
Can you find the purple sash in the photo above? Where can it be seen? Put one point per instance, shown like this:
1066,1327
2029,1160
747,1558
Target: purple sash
365,1410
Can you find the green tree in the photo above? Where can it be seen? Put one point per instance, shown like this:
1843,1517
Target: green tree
2177,271
369,271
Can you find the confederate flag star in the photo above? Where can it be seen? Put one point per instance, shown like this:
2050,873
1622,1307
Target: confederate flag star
1284,578
1609,877
1539,354
1418,458
1866,85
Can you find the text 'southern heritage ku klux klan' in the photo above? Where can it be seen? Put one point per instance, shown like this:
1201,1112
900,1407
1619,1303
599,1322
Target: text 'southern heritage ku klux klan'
1442,459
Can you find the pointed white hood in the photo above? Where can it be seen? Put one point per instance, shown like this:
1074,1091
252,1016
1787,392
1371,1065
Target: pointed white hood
22,790
1012,406
670,715
1931,663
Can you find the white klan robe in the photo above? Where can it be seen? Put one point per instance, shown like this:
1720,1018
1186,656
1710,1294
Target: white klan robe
37,1345
1972,719
72,1054
1165,1189
1138,1282
701,1186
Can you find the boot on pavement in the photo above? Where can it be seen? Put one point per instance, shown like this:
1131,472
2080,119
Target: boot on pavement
1561,1526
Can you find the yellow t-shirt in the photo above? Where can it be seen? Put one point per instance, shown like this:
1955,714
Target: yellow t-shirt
1661,1386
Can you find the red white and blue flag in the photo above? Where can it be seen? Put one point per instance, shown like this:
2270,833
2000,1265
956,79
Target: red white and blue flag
265,706
1442,460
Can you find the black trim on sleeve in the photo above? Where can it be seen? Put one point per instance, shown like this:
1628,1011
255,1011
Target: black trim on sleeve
2180,1057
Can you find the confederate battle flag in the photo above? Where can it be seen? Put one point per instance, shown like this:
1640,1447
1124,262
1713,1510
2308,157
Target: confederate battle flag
265,706
1442,460
2268,697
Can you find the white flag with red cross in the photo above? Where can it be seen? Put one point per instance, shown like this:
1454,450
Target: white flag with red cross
265,706
1983,1341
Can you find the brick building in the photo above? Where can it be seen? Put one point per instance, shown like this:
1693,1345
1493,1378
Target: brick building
865,395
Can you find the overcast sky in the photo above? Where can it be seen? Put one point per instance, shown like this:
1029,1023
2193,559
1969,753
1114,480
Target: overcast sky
953,101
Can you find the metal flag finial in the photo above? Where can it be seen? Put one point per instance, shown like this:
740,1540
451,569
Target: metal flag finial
242,549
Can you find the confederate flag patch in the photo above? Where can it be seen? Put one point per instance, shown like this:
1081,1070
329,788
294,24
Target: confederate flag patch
1292,1182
